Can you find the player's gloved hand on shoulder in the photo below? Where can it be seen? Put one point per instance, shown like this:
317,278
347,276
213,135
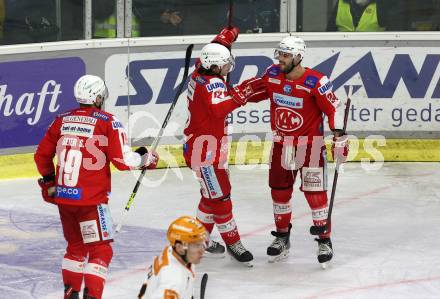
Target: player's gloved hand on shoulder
226,37
340,148
47,185
250,90
149,160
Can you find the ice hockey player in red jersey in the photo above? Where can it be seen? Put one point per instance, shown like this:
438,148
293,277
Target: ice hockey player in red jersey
85,141
210,100
299,97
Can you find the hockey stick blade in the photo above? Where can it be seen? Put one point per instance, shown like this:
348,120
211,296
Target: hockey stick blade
319,230
203,285
159,135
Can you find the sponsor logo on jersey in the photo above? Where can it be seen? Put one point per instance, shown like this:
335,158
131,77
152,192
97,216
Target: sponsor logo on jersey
105,222
216,85
287,101
325,88
310,81
287,119
274,71
100,116
77,129
300,87
200,80
89,231
312,179
117,125
274,81
211,181
80,119
68,192
287,89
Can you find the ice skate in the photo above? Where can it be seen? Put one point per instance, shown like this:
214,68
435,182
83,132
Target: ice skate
215,250
69,293
279,249
240,254
325,252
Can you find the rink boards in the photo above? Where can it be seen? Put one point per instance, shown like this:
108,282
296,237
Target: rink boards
396,81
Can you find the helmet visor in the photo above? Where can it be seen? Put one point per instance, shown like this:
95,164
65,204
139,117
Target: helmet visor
280,53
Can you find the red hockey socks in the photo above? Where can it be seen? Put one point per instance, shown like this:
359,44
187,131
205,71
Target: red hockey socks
225,222
95,272
318,203
205,215
72,270
282,209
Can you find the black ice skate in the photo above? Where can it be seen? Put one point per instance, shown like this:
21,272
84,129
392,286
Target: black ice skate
86,294
325,251
279,249
69,293
215,249
240,254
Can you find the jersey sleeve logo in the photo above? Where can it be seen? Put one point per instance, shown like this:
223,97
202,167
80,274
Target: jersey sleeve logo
326,85
311,81
117,125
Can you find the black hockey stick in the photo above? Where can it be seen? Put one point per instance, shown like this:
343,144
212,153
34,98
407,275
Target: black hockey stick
231,6
159,136
319,230
203,285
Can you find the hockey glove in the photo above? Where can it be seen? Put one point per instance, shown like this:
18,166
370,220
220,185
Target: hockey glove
149,160
340,148
226,37
251,90
47,185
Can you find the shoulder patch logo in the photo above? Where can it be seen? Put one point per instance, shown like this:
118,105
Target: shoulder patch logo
100,116
274,71
311,81
200,80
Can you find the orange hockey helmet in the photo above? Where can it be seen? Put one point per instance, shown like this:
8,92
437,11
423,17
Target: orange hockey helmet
187,230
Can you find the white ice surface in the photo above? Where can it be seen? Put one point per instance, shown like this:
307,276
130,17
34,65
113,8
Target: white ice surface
385,235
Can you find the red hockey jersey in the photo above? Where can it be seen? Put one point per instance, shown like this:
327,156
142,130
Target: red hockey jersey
297,107
85,141
209,102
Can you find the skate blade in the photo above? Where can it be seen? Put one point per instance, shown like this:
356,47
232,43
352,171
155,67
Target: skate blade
278,258
324,265
210,255
246,264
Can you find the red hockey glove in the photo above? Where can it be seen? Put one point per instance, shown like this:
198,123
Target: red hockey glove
47,185
226,37
149,160
340,148
251,90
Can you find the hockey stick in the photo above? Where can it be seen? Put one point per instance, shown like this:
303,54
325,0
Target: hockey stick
319,230
203,285
159,136
231,6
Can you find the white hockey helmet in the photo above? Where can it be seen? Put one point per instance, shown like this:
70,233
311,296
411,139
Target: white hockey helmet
216,54
292,45
88,87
